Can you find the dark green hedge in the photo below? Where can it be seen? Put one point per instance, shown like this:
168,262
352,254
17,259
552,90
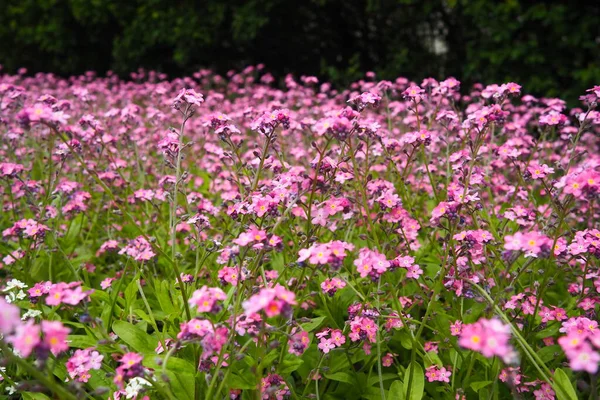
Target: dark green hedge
550,47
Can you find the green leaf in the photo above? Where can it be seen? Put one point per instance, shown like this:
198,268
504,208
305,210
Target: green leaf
142,314
417,383
341,377
161,289
385,377
81,341
548,353
34,396
242,381
135,338
484,394
313,324
130,293
434,358
373,394
563,386
268,359
289,365
74,231
476,386
396,391
181,376
405,340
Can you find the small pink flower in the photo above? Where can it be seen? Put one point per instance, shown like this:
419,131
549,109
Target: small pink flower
55,336
205,299
26,337
326,345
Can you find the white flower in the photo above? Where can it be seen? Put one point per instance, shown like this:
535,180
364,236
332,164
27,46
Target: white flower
15,283
31,314
134,387
11,297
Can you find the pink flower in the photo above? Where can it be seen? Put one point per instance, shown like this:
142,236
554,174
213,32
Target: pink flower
553,118
584,359
363,100
298,343
274,301
229,275
434,373
326,345
187,96
205,299
10,170
198,327
139,249
387,360
370,262
131,361
337,337
10,317
81,362
488,337
413,93
538,171
55,336
106,282
26,337
331,286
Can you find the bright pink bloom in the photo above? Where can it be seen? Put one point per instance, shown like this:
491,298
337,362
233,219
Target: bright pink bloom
55,336
26,337
205,299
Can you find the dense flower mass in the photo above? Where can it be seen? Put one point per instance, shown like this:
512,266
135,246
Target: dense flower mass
225,237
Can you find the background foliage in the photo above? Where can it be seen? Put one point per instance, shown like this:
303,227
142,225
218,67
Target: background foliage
550,47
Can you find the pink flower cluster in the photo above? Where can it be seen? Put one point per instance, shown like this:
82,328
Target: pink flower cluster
139,249
533,243
437,374
330,339
581,344
332,253
363,328
273,387
257,238
27,337
82,362
27,228
331,286
298,343
413,271
371,263
206,299
70,293
130,367
489,337
273,301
